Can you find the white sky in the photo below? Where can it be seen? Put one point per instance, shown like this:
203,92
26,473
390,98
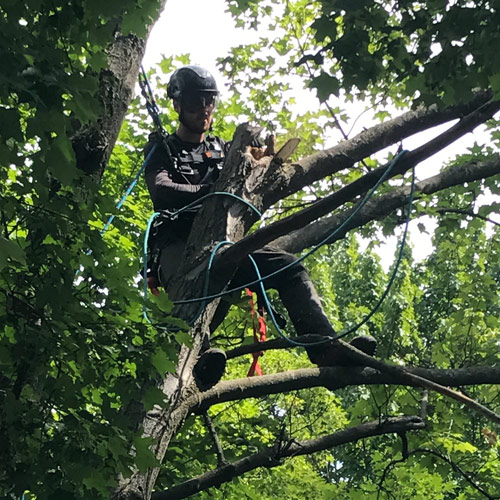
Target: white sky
206,31
201,28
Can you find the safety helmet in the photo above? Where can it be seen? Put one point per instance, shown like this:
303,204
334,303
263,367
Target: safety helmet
191,80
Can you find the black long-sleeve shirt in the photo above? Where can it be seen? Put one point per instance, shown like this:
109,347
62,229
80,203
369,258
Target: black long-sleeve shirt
174,188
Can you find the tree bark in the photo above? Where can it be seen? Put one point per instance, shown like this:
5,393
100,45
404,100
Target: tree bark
283,180
93,143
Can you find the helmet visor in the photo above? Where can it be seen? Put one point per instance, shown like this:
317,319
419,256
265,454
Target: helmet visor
196,101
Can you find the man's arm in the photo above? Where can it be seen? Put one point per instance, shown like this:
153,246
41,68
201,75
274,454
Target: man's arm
164,191
167,194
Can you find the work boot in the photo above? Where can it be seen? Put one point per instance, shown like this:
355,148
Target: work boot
330,354
209,368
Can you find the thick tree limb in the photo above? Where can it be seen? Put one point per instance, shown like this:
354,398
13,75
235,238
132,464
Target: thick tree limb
337,378
272,456
349,193
382,206
283,180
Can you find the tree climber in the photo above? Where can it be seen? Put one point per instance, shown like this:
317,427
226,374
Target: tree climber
181,170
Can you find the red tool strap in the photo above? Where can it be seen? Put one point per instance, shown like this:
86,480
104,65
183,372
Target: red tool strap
259,327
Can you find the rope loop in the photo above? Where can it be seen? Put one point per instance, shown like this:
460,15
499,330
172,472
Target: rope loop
260,279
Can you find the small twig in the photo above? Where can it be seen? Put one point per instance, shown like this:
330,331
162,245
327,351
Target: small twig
271,344
452,464
387,468
305,59
221,460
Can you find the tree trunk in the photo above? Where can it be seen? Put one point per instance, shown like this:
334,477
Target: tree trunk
221,218
94,143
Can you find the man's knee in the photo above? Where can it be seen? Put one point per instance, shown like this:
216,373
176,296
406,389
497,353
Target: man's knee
284,264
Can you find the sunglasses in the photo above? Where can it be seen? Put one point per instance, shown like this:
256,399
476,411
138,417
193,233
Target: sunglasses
198,100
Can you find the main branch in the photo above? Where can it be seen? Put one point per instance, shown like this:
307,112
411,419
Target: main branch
351,192
384,205
283,180
337,378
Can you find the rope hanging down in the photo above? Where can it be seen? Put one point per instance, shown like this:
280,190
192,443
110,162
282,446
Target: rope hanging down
154,112
259,328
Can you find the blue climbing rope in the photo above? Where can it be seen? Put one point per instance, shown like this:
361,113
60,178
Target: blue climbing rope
129,189
310,252
260,279
212,255
120,203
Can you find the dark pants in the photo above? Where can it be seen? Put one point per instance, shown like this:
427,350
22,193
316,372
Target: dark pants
294,286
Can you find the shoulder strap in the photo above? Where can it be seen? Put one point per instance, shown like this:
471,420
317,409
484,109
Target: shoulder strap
166,142
216,144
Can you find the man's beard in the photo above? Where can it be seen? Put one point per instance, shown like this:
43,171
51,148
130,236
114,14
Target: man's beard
194,127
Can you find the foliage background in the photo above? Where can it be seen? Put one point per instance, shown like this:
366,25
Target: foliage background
74,348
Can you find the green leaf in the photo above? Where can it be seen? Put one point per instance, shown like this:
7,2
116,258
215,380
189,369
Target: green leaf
144,457
153,397
325,85
184,338
495,83
10,250
49,240
60,160
162,363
